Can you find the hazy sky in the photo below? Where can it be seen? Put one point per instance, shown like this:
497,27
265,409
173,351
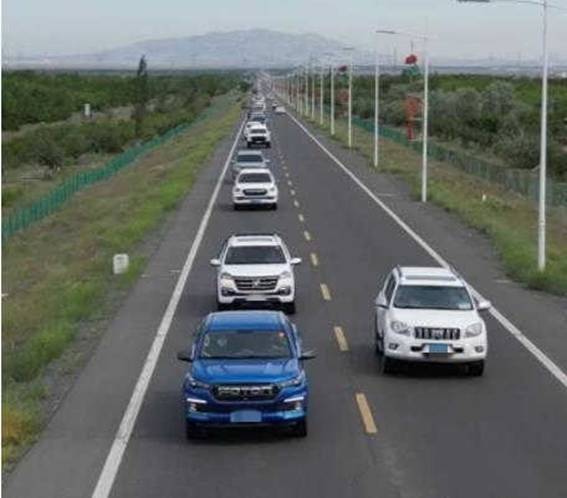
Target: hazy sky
74,26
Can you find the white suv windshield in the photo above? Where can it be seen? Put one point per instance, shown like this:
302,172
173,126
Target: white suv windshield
255,255
254,178
432,297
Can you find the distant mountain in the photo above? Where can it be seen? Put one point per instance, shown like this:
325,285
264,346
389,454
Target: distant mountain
255,48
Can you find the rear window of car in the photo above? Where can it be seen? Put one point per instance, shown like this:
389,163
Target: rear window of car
250,158
255,178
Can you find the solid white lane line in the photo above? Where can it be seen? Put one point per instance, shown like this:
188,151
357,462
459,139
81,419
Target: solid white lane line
547,362
122,436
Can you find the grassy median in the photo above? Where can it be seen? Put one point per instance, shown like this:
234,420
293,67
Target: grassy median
509,220
57,275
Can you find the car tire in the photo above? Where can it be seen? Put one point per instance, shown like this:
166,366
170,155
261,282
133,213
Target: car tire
236,207
389,365
378,347
275,206
289,308
192,431
476,369
300,429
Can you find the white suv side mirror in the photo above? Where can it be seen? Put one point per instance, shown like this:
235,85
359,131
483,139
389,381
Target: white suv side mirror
215,262
381,301
483,305
295,261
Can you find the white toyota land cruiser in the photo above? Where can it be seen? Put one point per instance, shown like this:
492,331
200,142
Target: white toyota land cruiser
255,269
429,315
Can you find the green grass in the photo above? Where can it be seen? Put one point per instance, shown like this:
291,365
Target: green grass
58,273
507,219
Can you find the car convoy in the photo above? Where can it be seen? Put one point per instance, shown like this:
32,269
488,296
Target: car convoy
247,365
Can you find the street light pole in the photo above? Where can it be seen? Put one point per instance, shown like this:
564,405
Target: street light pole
425,120
321,94
306,103
350,102
313,82
376,108
541,230
425,130
332,99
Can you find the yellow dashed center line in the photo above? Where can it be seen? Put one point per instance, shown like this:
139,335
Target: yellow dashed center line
301,218
307,235
296,203
366,414
314,259
325,292
341,338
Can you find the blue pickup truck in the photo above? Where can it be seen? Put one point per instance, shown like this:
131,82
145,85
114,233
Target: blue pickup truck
246,370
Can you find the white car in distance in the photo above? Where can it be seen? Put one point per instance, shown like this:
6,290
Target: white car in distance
280,109
255,187
259,135
248,159
428,314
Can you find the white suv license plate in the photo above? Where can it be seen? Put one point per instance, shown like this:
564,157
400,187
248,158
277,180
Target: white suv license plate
256,298
245,417
438,349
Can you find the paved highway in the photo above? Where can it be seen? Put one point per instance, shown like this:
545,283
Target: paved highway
429,432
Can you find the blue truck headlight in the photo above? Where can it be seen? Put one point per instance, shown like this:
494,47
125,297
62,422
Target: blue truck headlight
296,381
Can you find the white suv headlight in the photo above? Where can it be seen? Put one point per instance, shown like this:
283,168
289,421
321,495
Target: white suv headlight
286,275
473,330
226,279
401,328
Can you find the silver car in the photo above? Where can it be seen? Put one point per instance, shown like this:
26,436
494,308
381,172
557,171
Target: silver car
248,159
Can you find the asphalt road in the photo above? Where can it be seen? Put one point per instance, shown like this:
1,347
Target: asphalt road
438,432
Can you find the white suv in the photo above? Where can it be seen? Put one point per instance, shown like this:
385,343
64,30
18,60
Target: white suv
255,187
255,269
258,135
429,315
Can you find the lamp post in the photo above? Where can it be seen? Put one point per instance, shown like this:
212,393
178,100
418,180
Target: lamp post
313,83
306,96
376,108
541,219
425,126
332,99
321,94
349,49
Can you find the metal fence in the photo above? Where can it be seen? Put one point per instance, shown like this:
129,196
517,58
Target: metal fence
523,182
24,217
